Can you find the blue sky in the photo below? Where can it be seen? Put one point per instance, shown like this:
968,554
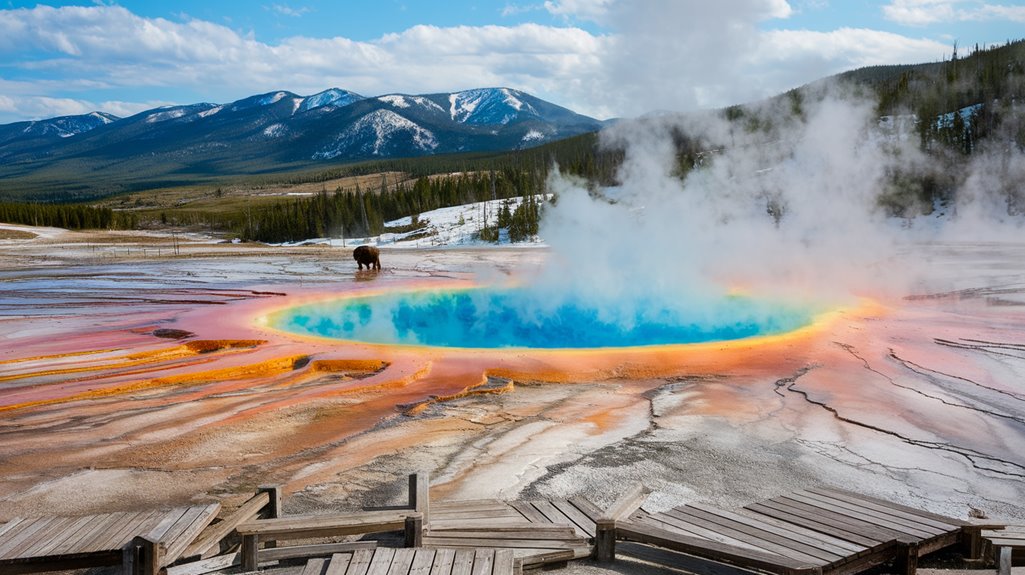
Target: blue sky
600,57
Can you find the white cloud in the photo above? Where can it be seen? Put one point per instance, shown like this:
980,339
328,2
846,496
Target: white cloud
658,55
286,10
925,12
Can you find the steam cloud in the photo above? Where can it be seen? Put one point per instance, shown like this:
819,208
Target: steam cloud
791,211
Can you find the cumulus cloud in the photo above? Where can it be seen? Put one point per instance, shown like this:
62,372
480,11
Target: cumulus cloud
703,55
924,12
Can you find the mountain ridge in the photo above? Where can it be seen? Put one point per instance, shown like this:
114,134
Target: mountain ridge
96,155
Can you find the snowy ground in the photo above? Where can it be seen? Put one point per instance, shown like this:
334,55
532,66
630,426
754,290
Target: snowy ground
456,226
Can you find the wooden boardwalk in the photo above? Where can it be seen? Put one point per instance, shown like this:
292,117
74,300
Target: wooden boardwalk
1005,542
817,531
537,532
52,543
419,561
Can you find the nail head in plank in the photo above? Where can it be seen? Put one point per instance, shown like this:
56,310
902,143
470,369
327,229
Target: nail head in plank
462,563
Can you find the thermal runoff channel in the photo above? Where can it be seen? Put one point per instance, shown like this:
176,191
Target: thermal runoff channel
499,318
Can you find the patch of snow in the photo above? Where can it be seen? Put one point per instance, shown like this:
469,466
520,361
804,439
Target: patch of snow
395,100
947,120
487,106
328,98
211,111
444,227
101,117
296,104
165,115
383,126
274,130
533,136
272,98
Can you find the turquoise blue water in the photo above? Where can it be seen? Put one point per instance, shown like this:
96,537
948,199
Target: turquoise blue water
491,318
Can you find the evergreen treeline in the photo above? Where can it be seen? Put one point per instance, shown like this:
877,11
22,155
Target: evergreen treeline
362,213
74,217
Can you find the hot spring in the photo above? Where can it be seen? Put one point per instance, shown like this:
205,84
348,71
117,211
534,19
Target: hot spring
517,318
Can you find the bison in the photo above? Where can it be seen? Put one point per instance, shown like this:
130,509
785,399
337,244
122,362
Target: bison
368,256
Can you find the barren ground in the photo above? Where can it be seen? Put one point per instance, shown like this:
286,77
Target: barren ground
919,399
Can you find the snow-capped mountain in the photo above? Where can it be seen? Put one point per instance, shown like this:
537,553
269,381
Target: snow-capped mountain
62,127
272,131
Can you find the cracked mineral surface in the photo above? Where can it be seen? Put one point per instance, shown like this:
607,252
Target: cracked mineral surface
135,374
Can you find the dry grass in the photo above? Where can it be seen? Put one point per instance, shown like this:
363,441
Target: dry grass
9,234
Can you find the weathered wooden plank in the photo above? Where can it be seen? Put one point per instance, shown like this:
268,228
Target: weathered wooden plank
381,562
821,516
568,534
98,531
687,527
360,562
56,542
14,522
945,525
840,544
534,557
497,543
517,521
180,539
338,564
443,559
628,502
768,539
1001,542
474,514
422,561
314,567
401,561
797,517
312,550
159,530
551,512
209,541
583,523
129,526
504,562
833,546
44,536
548,529
714,550
592,511
483,561
462,562
854,516
219,563
76,542
466,503
325,525
528,512
10,546
911,527
678,562
898,506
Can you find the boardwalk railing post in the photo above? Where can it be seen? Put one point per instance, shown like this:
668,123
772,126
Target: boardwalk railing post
605,540
420,494
250,544
143,556
907,558
1003,553
274,505
414,531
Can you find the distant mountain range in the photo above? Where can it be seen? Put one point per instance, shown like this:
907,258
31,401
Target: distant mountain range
100,154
